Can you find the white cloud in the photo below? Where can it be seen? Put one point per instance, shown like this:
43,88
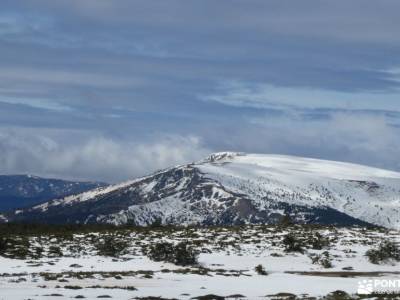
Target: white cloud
36,103
97,158
76,77
240,94
354,137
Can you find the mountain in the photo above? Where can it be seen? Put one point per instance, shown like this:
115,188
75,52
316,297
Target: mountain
237,188
17,191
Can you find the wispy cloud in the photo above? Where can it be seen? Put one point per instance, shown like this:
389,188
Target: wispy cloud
294,77
366,138
66,77
280,97
46,104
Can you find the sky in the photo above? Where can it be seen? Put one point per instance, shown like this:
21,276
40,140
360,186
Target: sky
112,90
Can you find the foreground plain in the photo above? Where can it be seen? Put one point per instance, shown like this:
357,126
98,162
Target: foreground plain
245,262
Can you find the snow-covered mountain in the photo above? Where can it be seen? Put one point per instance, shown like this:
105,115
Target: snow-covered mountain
18,191
237,188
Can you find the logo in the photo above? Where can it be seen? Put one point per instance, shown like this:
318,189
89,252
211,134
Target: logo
378,286
365,287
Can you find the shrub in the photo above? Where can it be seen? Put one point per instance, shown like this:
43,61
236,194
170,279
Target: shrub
161,252
323,259
17,248
37,252
157,223
180,254
207,297
318,242
286,221
386,252
111,246
73,287
3,245
55,251
260,270
338,295
292,244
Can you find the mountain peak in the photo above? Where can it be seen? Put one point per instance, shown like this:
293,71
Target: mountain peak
219,156
237,188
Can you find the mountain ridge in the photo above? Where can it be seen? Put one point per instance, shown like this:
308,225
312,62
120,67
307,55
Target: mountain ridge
228,188
23,190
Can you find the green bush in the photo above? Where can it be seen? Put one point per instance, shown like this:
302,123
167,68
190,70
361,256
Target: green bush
386,252
21,251
157,223
260,270
3,245
338,295
286,221
37,252
111,246
292,244
318,242
324,259
180,254
17,248
55,251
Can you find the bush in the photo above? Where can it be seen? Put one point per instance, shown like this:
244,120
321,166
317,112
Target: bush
260,270
37,252
161,252
338,295
17,248
20,251
318,242
55,251
286,221
386,252
324,259
3,245
292,244
111,246
180,254
157,223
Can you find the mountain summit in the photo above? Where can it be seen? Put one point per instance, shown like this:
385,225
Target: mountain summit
237,188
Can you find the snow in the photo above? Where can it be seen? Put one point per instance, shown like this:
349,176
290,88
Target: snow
342,186
365,193
86,195
3,218
254,246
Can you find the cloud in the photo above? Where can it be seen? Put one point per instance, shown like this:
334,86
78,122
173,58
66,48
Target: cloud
96,158
73,77
127,77
365,138
328,20
36,103
268,96
369,138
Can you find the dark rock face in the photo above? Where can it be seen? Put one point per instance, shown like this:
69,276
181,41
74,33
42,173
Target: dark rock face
179,196
18,191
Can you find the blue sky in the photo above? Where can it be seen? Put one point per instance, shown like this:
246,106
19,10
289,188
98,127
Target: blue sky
109,90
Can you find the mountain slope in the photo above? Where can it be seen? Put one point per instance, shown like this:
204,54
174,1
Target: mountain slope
18,191
235,188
